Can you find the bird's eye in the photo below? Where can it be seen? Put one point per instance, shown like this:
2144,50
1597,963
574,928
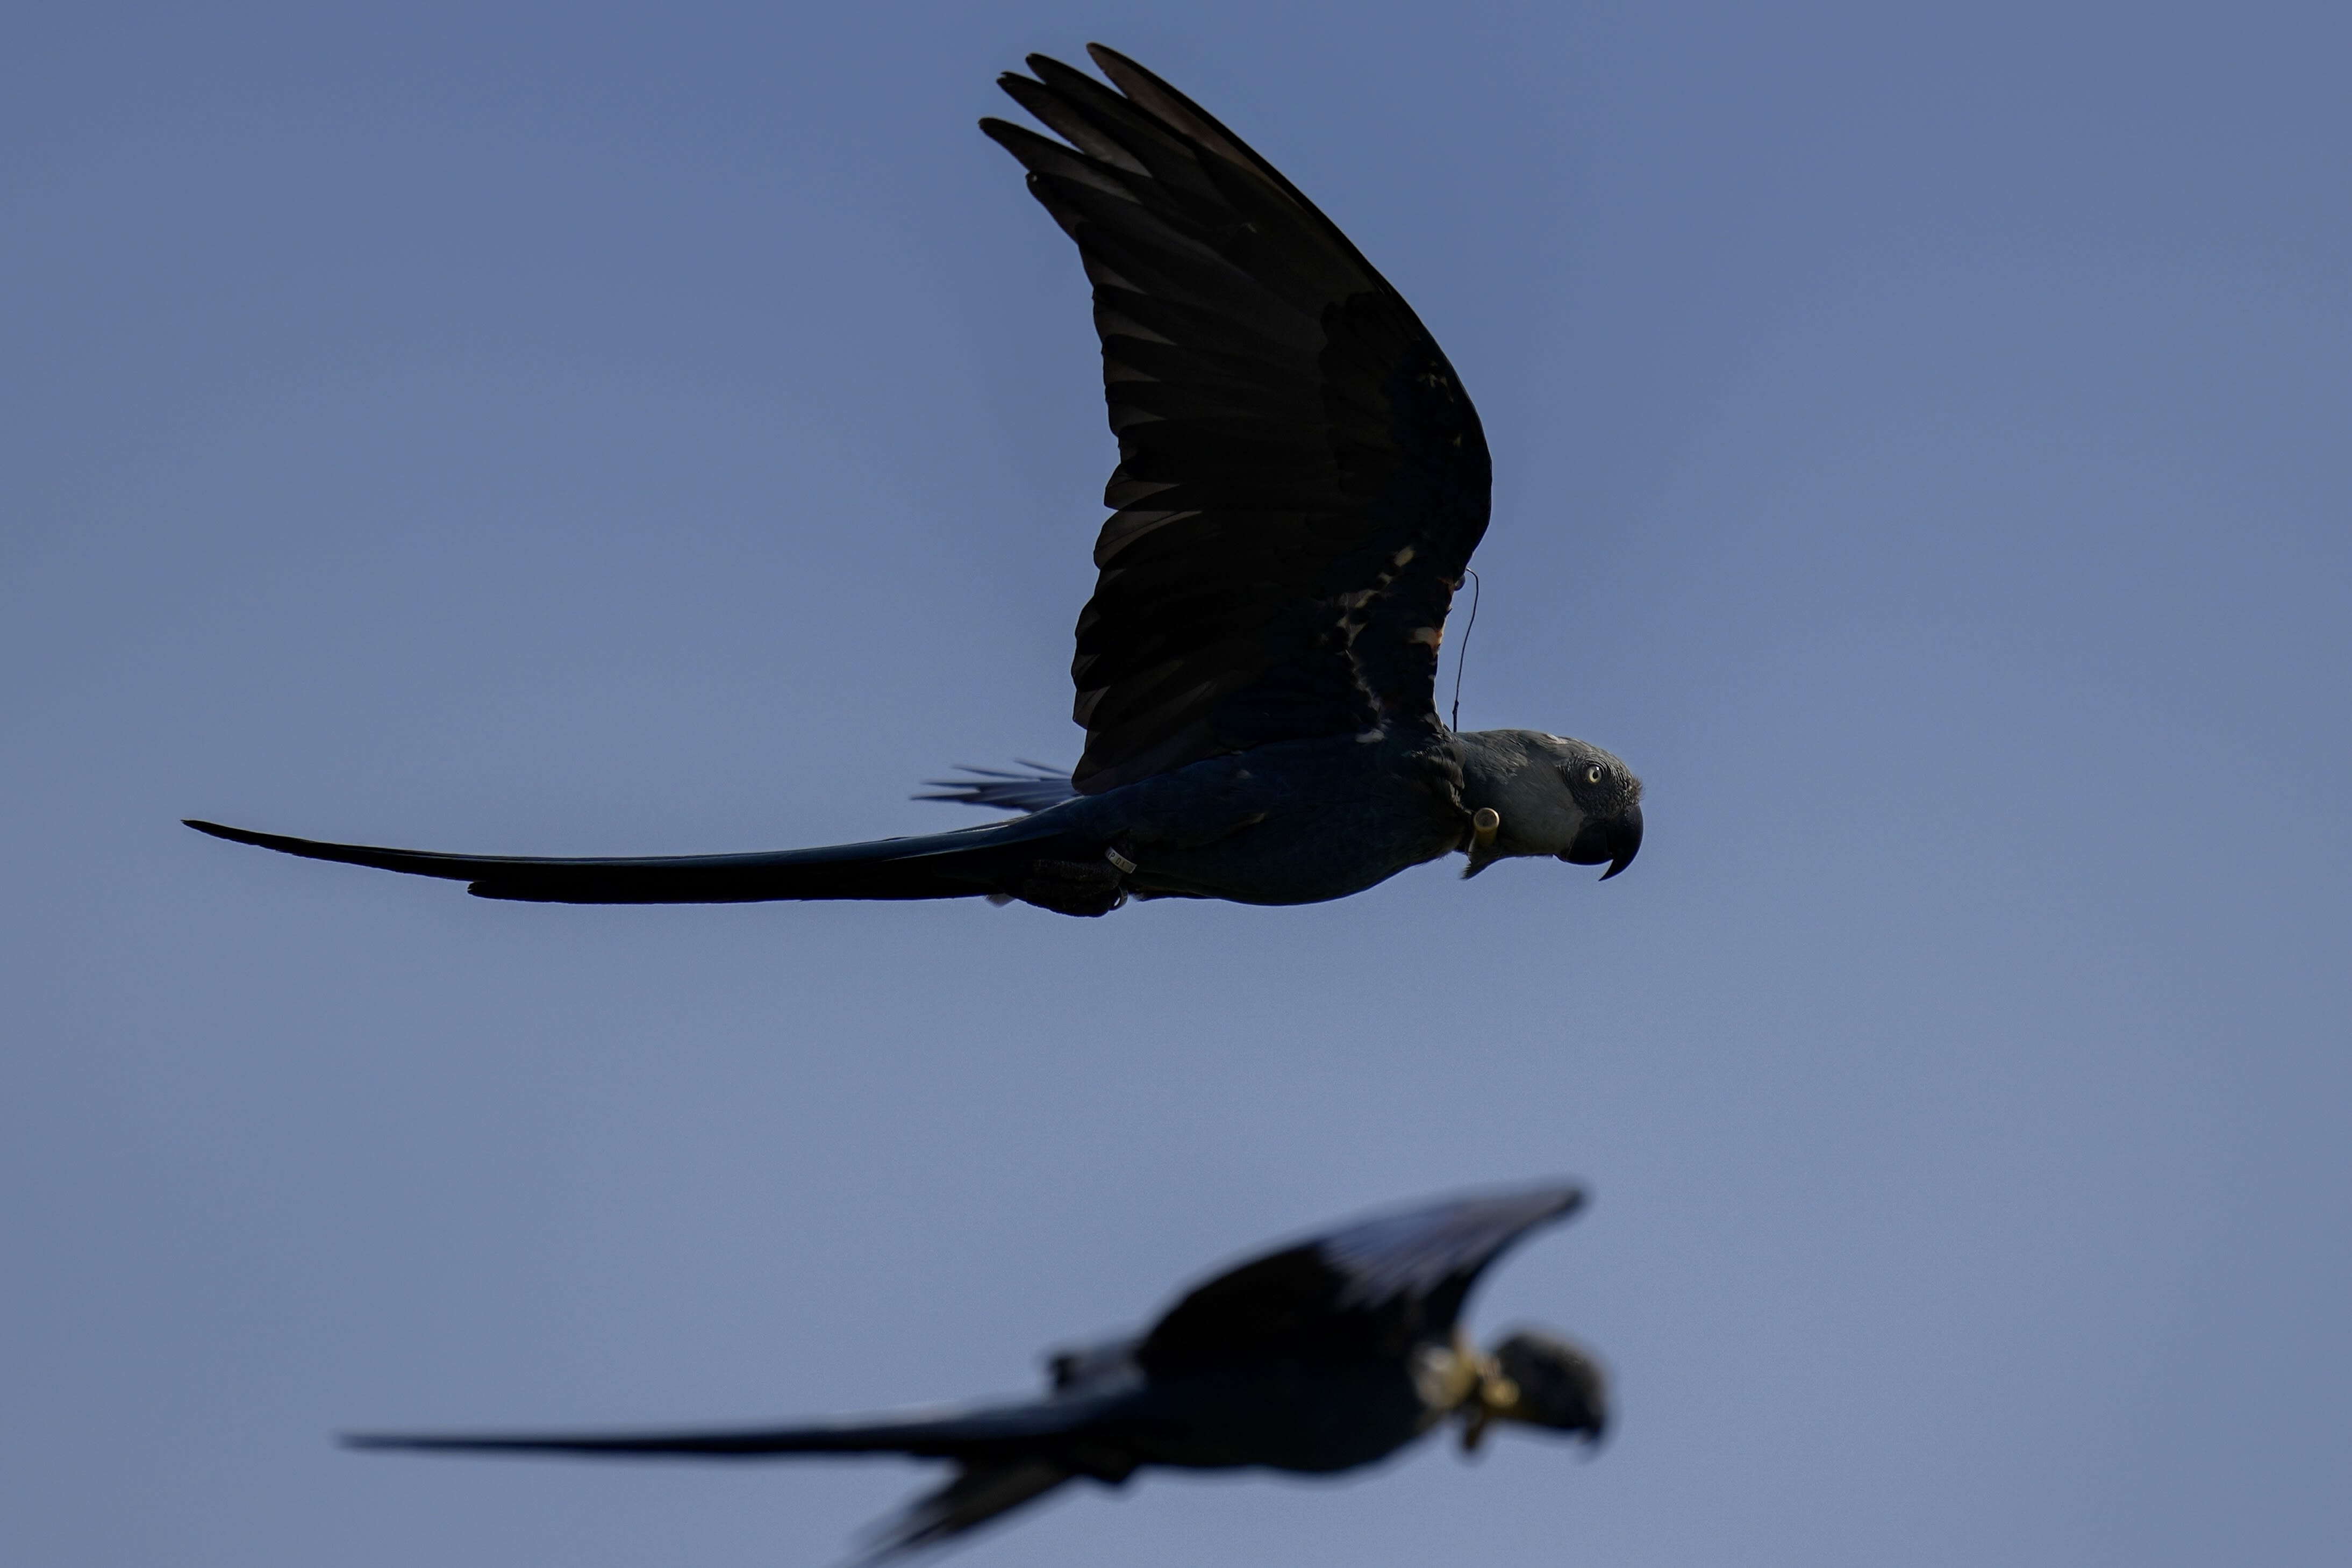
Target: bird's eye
1592,773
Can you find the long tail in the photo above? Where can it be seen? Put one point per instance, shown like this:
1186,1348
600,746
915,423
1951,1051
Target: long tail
998,858
936,1432
1004,1454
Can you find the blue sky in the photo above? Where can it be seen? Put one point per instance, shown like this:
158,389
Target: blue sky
1921,452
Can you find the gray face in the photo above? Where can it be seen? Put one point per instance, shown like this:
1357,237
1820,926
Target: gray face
1609,799
1559,1385
1555,796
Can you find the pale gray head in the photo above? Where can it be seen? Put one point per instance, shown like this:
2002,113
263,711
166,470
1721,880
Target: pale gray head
1531,793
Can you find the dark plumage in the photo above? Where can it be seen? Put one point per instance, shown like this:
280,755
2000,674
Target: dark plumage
1003,790
1301,482
1317,1357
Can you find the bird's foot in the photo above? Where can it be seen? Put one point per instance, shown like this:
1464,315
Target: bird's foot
1072,887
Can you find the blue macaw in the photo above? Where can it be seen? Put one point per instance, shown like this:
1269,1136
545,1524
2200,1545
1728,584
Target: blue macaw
1301,482
1324,1355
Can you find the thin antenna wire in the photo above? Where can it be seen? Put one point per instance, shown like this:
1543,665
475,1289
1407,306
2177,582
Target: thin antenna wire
1462,657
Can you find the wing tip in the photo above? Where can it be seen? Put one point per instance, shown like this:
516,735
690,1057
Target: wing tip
1567,1197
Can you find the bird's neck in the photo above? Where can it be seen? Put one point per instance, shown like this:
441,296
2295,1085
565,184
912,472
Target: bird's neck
1502,774
1487,762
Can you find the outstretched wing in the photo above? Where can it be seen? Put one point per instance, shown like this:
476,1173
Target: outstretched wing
1381,1283
1301,477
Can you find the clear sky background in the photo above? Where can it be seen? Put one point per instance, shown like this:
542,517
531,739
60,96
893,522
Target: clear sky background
1923,446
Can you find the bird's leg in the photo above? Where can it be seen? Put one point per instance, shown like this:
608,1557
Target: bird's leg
1072,887
1493,1398
1475,1419
1111,1466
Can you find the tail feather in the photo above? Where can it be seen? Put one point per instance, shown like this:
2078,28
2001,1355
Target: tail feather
1002,789
1004,1454
977,1493
971,862
942,1432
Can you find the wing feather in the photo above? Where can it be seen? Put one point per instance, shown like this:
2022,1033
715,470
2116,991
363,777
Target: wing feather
1380,1283
1301,479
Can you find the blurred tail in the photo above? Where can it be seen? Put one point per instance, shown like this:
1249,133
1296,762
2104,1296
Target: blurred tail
944,1432
1004,1454
979,1493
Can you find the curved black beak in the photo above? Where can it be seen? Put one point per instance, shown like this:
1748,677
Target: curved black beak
1624,841
1613,841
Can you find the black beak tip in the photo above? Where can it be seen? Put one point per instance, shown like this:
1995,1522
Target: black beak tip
1612,841
1624,841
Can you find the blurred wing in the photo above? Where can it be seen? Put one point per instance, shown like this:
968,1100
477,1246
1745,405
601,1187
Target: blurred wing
1301,477
1383,1282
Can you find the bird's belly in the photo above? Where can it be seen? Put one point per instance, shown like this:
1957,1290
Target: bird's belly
1310,1424
1298,822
